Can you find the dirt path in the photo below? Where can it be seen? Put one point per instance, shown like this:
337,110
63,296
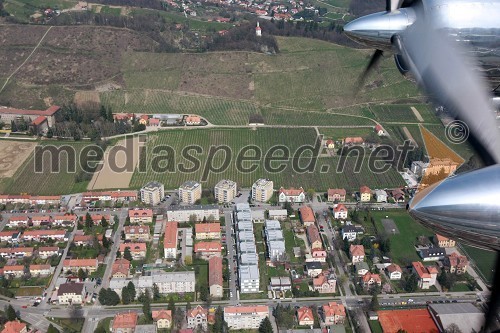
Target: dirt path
26,60
417,114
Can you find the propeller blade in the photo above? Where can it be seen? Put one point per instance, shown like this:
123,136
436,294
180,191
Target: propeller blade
494,298
374,60
443,70
391,5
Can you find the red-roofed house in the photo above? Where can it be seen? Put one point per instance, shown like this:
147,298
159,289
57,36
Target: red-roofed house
340,212
357,253
75,264
15,327
330,144
140,216
307,216
162,318
314,237
40,125
394,272
356,140
456,263
333,313
365,194
11,114
83,240
325,283
370,280
137,233
42,220
207,230
66,220
197,317
121,268
138,250
192,120
18,221
144,119
206,250
305,316
215,280
170,240
41,235
379,130
124,322
14,270
40,270
336,194
9,236
154,122
292,195
444,242
426,274
45,252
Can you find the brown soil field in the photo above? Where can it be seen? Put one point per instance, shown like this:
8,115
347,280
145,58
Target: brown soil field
12,156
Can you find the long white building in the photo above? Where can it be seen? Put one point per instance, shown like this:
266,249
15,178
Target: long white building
245,317
248,272
183,213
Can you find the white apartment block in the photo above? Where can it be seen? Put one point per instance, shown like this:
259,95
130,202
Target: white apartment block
262,190
225,191
70,293
245,317
152,193
189,192
168,282
249,278
183,213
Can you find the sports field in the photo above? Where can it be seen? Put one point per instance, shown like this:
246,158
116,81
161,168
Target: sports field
411,321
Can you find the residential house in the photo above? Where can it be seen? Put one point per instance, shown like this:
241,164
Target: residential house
340,212
197,317
394,272
365,194
140,216
456,263
215,278
137,233
18,222
42,235
333,313
245,317
278,214
307,216
74,265
10,236
45,252
225,190
66,220
356,140
443,242
361,268
432,253
426,274
83,240
162,318
325,283
41,220
16,271
313,269
330,144
192,120
314,237
380,195
292,195
207,230
71,293
152,193
318,255
370,280
144,119
40,270
16,252
15,326
97,218
170,240
262,190
305,316
120,268
398,195
336,194
206,250
124,322
280,284
137,250
350,232
379,130
190,192
357,253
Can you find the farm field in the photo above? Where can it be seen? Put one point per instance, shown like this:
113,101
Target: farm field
264,138
342,133
484,260
12,156
27,180
402,247
403,113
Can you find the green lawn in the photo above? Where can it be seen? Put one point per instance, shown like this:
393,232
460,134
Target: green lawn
460,287
484,260
375,326
105,324
402,244
73,325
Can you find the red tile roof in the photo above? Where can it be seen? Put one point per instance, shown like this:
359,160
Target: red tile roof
246,309
170,238
140,213
422,271
333,309
207,247
364,189
80,263
313,234
357,250
134,230
356,139
199,310
39,120
340,208
334,191
292,191
125,320
161,314
207,227
120,266
393,268
134,247
304,313
368,276
13,327
306,214
215,271
49,112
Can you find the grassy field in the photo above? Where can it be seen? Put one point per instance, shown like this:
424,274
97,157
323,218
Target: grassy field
26,180
263,138
403,113
375,326
22,9
402,248
484,260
